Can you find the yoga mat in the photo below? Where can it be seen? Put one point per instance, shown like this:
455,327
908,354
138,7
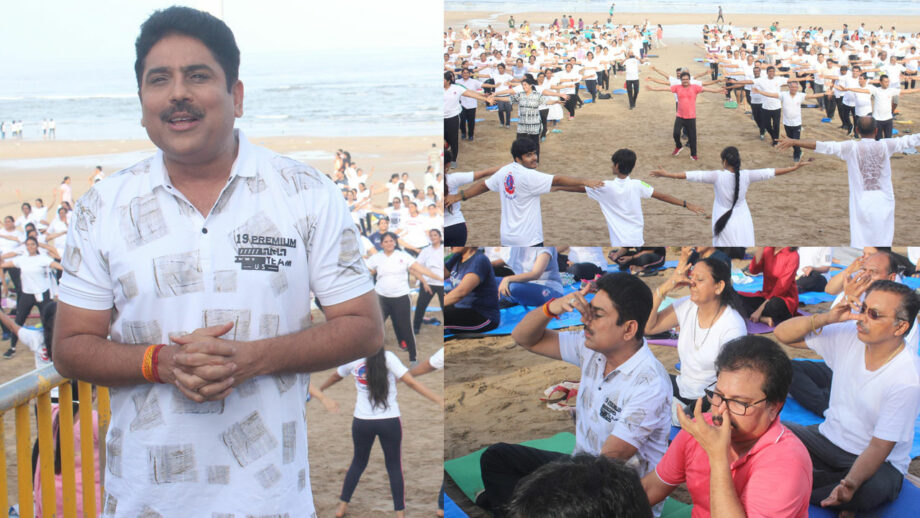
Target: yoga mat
652,55
811,105
904,122
619,91
479,120
465,472
589,101
907,504
556,131
491,108
815,297
510,317
894,132
669,342
514,119
825,120
451,509
698,60
731,104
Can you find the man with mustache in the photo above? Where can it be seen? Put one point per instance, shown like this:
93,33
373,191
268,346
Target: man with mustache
739,460
862,449
186,291
624,398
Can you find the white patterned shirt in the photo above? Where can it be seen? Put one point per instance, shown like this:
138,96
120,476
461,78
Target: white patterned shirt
279,230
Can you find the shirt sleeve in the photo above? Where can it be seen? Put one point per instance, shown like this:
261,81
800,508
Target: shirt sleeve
494,182
674,88
639,420
898,413
538,183
759,175
898,144
345,370
395,366
86,282
672,469
572,347
701,176
335,260
645,190
35,340
832,341
437,359
840,150
596,194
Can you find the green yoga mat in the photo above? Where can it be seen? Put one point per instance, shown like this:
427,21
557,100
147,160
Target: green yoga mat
465,471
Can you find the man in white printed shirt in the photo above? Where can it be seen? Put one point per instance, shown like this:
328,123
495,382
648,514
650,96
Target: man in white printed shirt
211,246
624,397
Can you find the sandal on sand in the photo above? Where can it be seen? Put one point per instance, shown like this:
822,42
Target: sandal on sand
561,396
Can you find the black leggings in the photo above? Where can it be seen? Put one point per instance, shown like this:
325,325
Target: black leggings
570,104
544,115
504,113
794,132
24,306
452,133
421,304
398,310
771,123
714,68
757,112
775,308
632,91
466,320
455,235
689,125
591,84
363,433
467,122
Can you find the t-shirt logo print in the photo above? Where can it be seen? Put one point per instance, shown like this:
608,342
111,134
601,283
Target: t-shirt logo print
509,184
361,374
609,410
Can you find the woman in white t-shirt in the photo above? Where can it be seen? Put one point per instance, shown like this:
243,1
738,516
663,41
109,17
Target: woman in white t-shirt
35,282
454,222
392,268
452,109
709,317
732,224
377,415
432,257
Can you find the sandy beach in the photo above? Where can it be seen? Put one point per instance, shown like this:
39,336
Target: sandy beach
809,206
493,389
330,446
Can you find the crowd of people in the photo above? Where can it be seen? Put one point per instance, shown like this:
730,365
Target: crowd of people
767,73
733,451
15,127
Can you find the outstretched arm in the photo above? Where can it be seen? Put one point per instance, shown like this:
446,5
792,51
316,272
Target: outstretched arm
661,173
784,170
682,203
471,192
417,386
571,181
786,143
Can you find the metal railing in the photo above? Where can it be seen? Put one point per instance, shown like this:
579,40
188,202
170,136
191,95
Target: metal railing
35,387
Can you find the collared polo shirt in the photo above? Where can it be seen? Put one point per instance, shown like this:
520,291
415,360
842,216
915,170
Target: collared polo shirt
279,230
632,402
772,480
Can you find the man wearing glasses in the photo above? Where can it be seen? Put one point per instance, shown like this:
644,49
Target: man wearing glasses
739,460
862,450
624,399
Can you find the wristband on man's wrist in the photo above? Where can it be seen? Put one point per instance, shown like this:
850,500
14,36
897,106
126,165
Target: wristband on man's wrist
546,310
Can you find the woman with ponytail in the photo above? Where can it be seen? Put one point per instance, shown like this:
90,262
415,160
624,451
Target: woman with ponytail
377,415
708,318
732,223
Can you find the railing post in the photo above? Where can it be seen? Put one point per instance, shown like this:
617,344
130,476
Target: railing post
4,498
85,391
46,455
68,474
24,461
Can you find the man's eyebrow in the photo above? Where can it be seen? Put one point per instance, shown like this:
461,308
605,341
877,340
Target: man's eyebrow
184,70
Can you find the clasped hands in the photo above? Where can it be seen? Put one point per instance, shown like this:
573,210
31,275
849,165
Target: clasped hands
206,367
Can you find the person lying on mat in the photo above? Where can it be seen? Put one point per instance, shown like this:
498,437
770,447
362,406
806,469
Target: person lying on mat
472,304
624,397
739,460
862,449
811,381
638,260
708,318
779,298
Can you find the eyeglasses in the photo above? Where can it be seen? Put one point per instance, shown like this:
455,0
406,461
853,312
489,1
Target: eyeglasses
734,406
873,313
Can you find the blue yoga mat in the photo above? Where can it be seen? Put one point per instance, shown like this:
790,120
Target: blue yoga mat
907,504
619,91
825,120
479,120
894,132
589,101
513,315
491,108
451,509
815,297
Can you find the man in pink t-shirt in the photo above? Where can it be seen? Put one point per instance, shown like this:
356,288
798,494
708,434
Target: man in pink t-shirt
740,459
686,111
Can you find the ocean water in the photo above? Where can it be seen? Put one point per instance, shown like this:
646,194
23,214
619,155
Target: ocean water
329,93
894,7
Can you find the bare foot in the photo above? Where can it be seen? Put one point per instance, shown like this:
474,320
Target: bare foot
400,514
341,509
767,320
440,512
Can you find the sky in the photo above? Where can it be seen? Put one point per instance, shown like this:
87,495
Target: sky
53,31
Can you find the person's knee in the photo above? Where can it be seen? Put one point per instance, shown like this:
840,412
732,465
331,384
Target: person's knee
495,458
882,487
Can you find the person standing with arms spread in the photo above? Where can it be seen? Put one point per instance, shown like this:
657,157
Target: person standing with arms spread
686,111
198,316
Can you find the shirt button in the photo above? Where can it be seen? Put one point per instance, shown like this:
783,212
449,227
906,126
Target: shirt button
204,230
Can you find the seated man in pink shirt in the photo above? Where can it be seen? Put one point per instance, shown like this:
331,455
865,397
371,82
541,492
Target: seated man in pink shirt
739,460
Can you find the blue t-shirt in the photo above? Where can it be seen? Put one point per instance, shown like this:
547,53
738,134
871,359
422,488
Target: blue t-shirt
484,297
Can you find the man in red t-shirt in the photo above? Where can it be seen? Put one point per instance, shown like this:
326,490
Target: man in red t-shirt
686,111
740,459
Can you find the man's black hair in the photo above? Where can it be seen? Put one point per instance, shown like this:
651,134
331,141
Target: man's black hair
585,485
209,30
625,159
521,146
631,297
910,302
760,354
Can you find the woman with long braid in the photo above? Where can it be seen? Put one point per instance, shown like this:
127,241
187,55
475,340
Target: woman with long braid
732,223
377,415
